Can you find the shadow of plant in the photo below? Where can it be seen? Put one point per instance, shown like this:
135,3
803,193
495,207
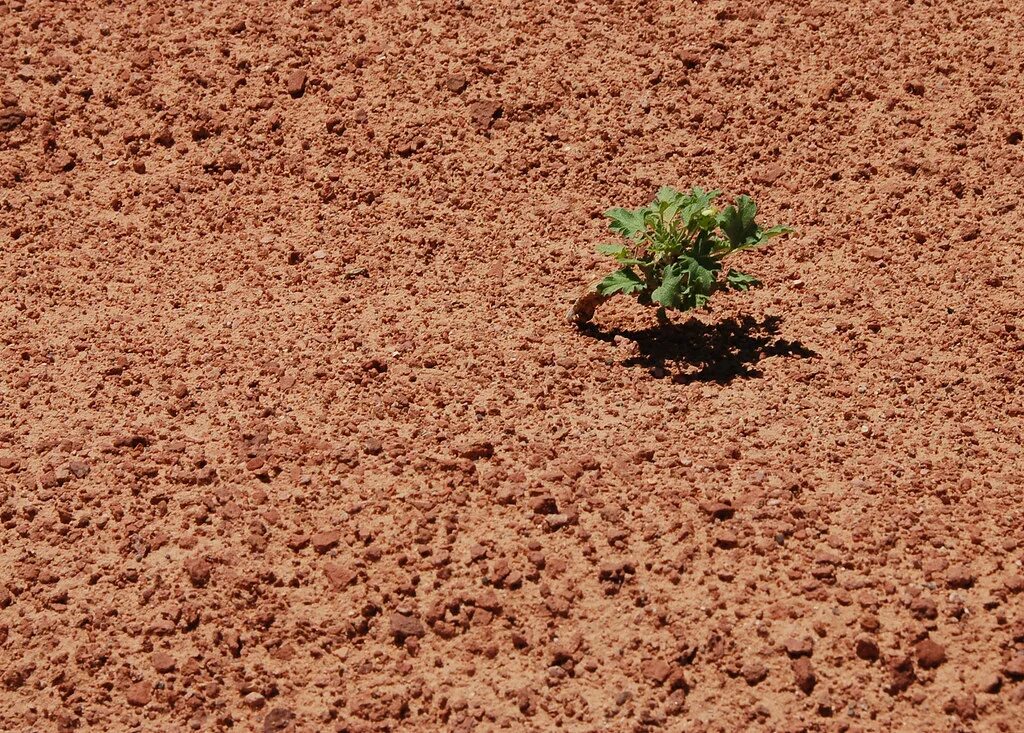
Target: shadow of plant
708,352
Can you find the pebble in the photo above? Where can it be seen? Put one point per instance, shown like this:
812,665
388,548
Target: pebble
803,673
475,450
1014,668
277,720
456,83
162,662
924,608
140,694
198,570
929,654
726,540
339,576
1014,583
485,113
404,626
718,509
656,670
960,576
754,673
296,83
901,674
866,648
799,646
326,540
990,683
10,118
769,174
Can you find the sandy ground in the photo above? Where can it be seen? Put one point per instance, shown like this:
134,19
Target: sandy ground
293,436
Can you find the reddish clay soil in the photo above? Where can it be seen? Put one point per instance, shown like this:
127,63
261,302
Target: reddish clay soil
294,437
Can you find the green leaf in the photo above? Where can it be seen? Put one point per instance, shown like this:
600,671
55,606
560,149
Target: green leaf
741,281
671,293
701,276
621,281
628,223
613,250
766,234
696,202
667,194
737,222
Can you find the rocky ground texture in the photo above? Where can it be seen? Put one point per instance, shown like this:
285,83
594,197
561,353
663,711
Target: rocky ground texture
293,436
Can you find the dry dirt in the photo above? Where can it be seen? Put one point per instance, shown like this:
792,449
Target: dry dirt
293,436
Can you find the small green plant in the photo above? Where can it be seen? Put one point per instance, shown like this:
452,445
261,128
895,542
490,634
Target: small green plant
673,251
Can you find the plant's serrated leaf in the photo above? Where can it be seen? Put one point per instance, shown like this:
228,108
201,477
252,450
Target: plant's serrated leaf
737,222
672,292
700,278
612,250
628,223
667,194
741,281
766,234
700,300
621,281
695,203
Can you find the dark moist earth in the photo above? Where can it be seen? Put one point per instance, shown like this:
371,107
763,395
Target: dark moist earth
294,437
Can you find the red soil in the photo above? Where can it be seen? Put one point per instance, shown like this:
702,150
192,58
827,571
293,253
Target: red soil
293,435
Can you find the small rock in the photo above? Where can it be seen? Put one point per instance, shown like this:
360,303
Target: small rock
555,522
162,662
799,647
754,673
923,607
403,626
804,675
485,113
324,541
726,540
990,683
198,570
10,118
140,694
964,707
277,720
656,671
456,83
874,253
1014,669
901,673
339,576
80,469
1014,583
867,648
474,450
769,175
254,700
718,509
164,137
930,654
960,576
296,83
